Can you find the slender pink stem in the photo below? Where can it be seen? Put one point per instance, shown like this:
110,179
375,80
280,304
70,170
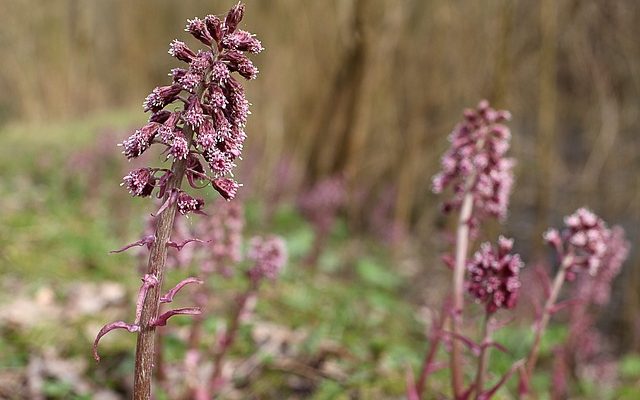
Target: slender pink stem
436,339
546,315
483,359
462,247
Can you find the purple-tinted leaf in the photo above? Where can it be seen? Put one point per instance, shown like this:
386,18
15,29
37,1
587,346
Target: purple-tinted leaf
488,393
148,281
108,328
497,325
173,197
162,318
168,297
473,346
564,304
496,345
180,245
145,241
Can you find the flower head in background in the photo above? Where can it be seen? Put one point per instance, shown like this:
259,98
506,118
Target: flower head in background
494,275
269,255
476,163
582,243
209,111
598,289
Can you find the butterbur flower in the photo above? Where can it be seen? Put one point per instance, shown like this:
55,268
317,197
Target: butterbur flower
188,203
140,140
198,29
181,51
494,275
583,242
160,97
269,255
476,163
243,41
179,147
233,18
194,115
140,182
598,289
226,187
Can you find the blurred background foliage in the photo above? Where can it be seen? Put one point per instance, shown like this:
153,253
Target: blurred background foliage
364,89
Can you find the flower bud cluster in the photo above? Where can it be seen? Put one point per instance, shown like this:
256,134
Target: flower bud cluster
494,275
583,243
476,162
207,126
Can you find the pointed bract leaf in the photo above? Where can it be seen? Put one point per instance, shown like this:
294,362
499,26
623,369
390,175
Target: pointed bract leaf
108,328
168,297
145,241
162,319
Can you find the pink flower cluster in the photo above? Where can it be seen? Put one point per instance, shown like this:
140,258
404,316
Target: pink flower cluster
321,202
582,244
213,110
476,162
494,275
269,255
598,288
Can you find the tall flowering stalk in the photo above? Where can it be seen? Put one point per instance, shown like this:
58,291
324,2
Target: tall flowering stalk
494,282
202,135
480,174
584,245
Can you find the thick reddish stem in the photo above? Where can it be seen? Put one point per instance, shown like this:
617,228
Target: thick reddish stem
145,347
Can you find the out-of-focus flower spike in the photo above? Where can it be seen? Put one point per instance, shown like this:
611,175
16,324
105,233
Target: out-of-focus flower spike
145,241
108,328
168,297
164,317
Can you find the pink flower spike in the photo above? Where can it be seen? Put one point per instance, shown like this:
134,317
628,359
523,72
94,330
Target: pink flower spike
168,298
108,328
148,281
145,241
180,245
162,319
